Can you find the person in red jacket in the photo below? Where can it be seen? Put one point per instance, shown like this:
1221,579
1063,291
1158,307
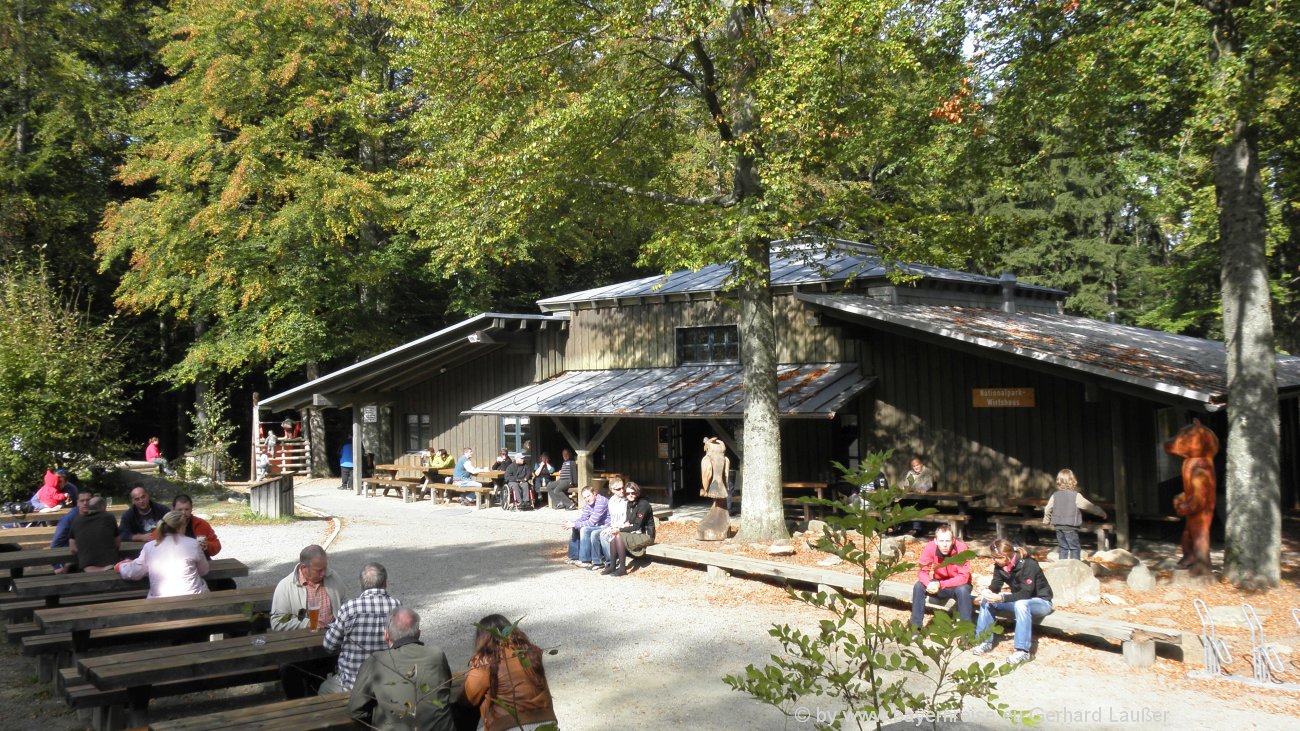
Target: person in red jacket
51,494
196,527
942,580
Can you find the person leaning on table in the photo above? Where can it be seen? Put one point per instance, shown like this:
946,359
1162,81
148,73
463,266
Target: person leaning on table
311,583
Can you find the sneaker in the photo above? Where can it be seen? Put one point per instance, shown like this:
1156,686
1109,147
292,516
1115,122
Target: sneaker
598,567
1019,657
983,648
583,564
571,561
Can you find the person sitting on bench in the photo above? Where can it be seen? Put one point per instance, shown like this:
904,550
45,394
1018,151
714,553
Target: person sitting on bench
942,580
518,479
558,492
1028,595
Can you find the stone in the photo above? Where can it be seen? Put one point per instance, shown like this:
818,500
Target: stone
1140,579
816,526
830,561
779,550
1173,596
1118,601
1072,582
1165,564
893,546
1102,570
1117,556
1184,577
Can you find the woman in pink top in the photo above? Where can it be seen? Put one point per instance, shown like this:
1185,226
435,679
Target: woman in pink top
173,562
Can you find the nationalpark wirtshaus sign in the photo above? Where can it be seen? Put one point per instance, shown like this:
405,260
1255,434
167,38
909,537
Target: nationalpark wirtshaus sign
1002,398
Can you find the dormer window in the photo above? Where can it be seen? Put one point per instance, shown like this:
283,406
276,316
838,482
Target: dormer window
712,344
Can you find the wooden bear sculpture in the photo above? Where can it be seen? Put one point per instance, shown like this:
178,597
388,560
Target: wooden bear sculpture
1197,445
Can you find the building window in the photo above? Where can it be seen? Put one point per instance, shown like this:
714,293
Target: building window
418,432
715,344
516,434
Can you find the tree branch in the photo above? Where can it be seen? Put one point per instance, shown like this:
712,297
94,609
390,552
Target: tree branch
709,89
721,201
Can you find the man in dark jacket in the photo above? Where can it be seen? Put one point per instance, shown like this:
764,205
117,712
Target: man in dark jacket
396,688
138,522
1026,595
518,479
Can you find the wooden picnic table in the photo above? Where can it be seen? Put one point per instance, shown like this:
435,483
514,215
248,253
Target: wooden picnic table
54,516
137,671
962,499
14,563
51,588
819,488
319,712
1031,505
87,617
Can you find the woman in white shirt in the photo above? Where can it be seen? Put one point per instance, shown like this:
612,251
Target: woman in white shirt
173,562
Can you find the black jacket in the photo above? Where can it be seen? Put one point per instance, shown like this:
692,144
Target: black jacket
1025,580
518,473
641,515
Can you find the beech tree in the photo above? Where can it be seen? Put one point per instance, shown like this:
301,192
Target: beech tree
1187,93
720,126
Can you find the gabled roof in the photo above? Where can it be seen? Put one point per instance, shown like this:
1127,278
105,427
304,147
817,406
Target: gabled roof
1175,365
414,361
794,265
805,390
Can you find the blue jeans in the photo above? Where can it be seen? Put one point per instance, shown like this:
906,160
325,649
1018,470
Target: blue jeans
960,593
1067,543
581,542
1024,610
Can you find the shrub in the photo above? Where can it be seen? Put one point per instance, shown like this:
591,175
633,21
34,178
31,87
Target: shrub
859,668
60,391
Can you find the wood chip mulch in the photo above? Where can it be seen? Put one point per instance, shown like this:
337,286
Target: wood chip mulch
1167,605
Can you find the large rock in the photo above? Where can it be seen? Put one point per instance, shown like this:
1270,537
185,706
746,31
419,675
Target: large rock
1232,616
1140,579
1072,582
779,550
892,547
1116,556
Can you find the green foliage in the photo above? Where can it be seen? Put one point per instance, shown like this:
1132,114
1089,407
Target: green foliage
213,433
59,388
858,668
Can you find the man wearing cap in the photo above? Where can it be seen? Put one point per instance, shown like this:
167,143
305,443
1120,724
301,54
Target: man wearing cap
518,479
94,539
144,515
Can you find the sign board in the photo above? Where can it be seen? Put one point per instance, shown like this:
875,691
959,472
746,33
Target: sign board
370,414
1002,398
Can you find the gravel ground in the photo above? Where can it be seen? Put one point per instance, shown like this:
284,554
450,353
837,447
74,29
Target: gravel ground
643,652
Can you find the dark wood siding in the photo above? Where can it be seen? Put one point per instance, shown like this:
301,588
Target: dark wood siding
922,404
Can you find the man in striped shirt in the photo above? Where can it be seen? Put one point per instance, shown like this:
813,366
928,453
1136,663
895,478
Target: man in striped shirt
358,628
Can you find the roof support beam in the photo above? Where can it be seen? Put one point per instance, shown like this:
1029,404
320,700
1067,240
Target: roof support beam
725,435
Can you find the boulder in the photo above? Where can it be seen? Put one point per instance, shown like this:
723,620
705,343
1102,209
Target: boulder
893,547
1112,599
1140,579
1116,556
780,550
816,526
1072,582
1165,564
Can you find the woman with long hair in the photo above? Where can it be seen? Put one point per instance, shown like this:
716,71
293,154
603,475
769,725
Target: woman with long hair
1026,595
173,562
506,679
636,532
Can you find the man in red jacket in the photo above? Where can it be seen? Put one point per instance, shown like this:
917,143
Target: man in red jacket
942,580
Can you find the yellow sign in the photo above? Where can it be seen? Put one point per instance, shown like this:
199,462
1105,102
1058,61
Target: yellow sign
1002,398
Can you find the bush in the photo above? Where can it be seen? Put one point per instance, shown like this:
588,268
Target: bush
60,392
858,668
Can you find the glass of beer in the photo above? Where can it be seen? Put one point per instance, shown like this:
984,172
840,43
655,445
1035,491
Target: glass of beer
313,617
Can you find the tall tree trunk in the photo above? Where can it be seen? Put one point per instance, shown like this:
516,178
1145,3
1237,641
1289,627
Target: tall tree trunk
319,464
1252,558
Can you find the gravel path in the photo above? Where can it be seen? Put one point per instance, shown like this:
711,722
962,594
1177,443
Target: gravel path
644,652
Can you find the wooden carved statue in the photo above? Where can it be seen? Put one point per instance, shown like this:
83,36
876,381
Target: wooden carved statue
1197,445
714,469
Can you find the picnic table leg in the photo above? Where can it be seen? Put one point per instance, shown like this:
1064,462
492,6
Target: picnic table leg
138,706
478,501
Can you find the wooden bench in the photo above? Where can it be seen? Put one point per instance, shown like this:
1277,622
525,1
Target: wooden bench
20,610
322,712
408,487
1100,530
81,694
54,649
482,495
1172,642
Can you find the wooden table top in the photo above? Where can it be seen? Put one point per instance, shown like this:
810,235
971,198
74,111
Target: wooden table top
55,516
321,712
145,667
484,474
804,485
55,585
47,556
158,609
961,497
23,535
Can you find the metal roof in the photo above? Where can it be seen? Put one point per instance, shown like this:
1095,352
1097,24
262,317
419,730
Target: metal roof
793,265
1177,365
805,390
416,360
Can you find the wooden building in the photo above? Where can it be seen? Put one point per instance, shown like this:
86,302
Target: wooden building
984,376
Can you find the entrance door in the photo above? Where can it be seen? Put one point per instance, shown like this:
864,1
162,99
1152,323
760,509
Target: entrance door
686,449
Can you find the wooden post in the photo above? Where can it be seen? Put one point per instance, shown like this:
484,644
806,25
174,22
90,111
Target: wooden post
358,454
257,441
1140,652
1118,474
